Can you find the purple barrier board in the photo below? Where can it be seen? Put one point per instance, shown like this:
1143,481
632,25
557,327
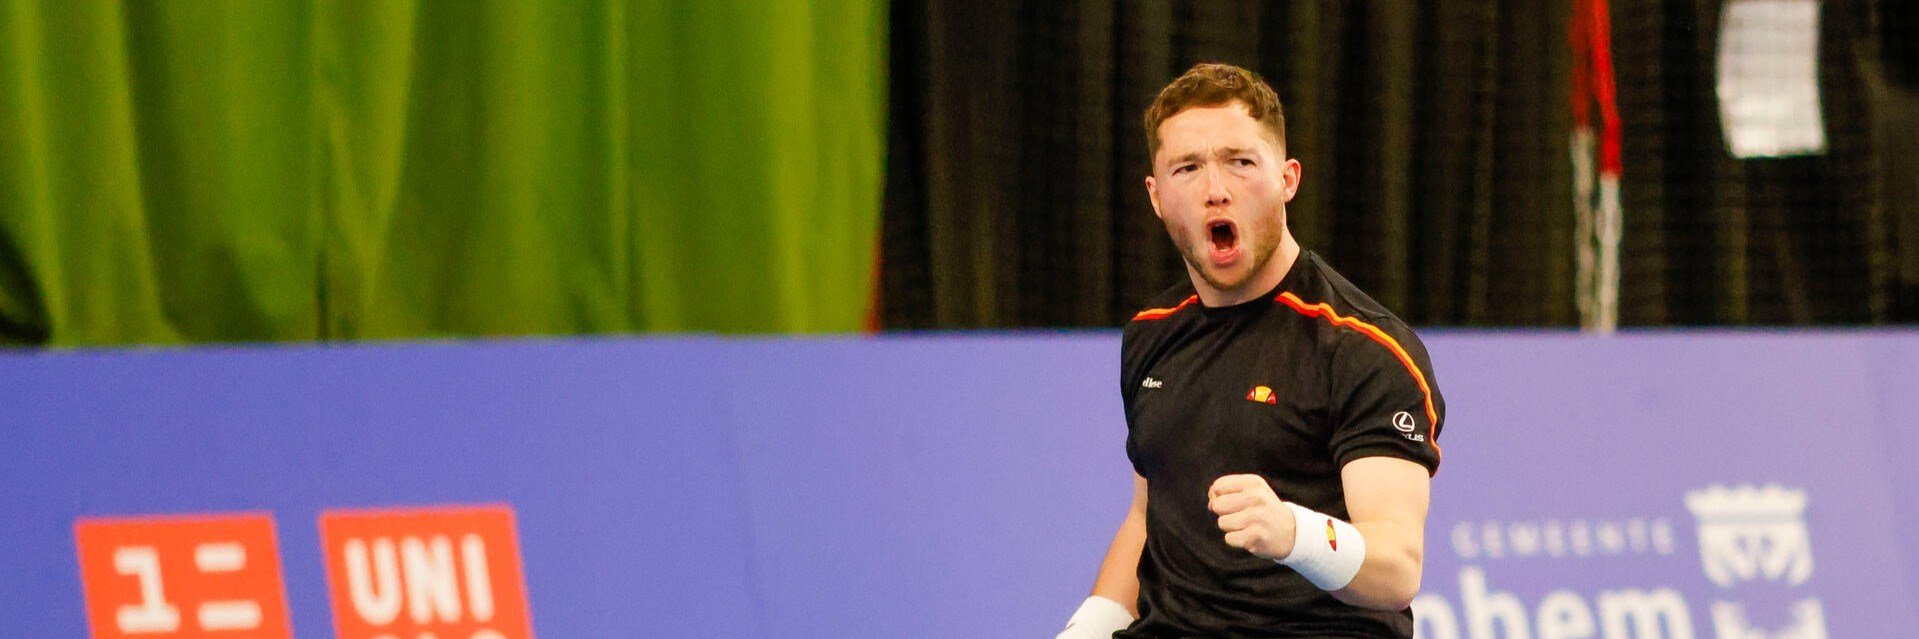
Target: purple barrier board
1671,485
1691,484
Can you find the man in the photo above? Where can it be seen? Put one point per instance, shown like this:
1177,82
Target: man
1281,424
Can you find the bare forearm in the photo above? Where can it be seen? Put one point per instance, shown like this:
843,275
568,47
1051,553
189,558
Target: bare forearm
1387,498
1389,578
1118,578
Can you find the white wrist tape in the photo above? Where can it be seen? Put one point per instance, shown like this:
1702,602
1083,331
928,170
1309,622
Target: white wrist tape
1097,617
1326,550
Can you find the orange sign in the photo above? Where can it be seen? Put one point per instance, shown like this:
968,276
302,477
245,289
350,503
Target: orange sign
181,576
446,572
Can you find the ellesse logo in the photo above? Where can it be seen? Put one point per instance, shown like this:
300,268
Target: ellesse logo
1262,395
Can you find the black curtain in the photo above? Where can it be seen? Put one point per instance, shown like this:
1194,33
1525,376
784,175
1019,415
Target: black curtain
1712,239
1434,140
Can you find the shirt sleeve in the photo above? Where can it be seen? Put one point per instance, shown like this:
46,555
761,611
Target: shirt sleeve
1385,398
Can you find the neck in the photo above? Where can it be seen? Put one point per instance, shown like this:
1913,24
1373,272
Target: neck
1269,276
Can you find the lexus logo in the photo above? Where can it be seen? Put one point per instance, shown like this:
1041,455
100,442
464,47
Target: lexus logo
1403,421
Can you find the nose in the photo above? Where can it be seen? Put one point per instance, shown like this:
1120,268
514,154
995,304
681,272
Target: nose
1216,195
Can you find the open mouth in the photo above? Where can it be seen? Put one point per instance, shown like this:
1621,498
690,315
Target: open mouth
1224,235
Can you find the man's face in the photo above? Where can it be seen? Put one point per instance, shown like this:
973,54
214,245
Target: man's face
1221,184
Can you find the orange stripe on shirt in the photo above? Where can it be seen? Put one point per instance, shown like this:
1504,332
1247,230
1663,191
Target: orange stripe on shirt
1326,311
1157,313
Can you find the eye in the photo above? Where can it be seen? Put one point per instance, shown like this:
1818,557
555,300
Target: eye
1183,168
1242,161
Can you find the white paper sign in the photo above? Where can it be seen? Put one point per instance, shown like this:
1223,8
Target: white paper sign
1769,78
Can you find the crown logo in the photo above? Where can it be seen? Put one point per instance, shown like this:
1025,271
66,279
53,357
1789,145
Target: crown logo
1747,503
1749,533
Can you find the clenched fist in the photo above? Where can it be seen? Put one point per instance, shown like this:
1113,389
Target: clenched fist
1252,516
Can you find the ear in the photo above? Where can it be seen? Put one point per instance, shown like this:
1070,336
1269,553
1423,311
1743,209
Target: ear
1289,174
1152,193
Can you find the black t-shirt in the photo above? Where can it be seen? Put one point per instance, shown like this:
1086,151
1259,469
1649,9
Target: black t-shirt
1289,386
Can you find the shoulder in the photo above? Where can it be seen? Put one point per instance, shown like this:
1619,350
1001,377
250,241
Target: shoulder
1170,307
1350,321
1150,330
1167,303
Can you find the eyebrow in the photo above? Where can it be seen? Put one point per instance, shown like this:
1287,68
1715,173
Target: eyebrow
1224,152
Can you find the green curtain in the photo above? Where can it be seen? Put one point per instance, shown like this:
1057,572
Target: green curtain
368,169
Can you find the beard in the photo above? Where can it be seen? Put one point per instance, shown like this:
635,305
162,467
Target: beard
1261,244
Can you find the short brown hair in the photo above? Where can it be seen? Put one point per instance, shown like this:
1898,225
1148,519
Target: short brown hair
1213,84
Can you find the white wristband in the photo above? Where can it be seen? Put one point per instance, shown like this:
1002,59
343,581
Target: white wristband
1097,617
1326,550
